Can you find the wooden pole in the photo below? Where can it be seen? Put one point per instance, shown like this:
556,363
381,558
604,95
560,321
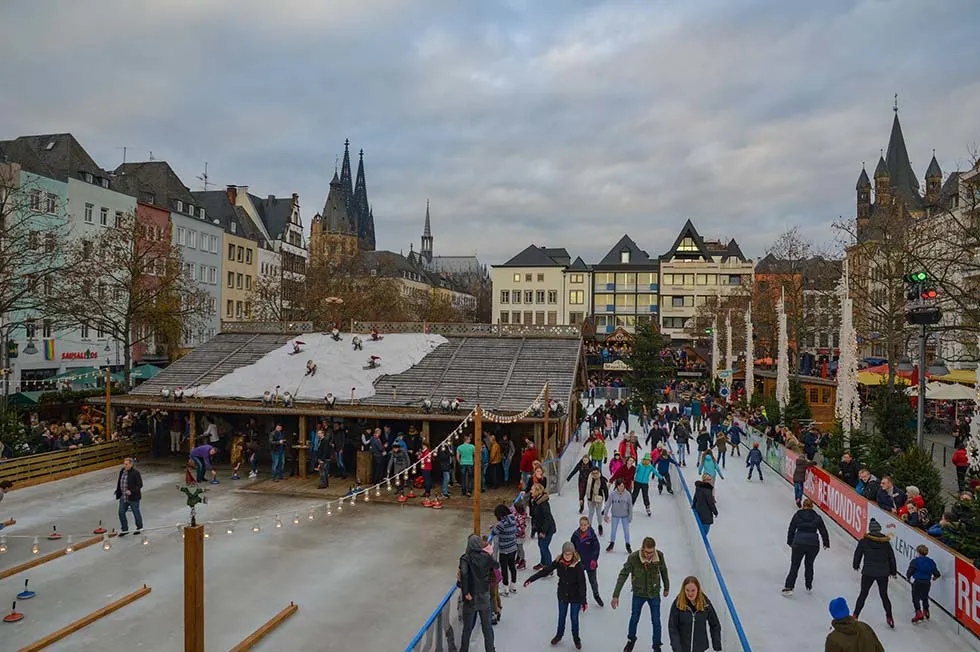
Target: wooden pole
547,414
191,442
194,588
477,464
108,403
43,559
253,639
85,621
302,446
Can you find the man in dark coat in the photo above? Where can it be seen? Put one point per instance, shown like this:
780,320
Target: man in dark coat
876,551
704,501
324,455
848,469
475,572
803,539
129,492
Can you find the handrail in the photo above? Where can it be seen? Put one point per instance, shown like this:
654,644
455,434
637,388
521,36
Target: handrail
714,566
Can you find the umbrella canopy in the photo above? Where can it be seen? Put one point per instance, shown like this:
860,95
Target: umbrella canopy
968,376
953,392
866,377
24,399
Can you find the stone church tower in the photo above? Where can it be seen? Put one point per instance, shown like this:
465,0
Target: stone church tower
346,224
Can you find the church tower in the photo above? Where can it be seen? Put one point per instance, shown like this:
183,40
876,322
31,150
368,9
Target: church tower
427,237
934,181
365,217
334,230
863,201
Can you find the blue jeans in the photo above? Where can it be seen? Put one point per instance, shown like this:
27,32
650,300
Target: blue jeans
199,465
524,478
616,522
544,547
445,483
576,608
340,464
756,466
638,603
721,457
278,463
798,491
134,506
681,454
466,473
506,470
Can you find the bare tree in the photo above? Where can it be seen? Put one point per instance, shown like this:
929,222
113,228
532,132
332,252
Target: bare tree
435,306
130,284
364,294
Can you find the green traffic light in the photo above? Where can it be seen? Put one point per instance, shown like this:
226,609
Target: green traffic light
919,276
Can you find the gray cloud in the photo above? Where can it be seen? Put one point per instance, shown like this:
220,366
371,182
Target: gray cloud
555,123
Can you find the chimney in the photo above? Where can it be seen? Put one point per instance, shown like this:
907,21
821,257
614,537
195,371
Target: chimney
232,193
271,198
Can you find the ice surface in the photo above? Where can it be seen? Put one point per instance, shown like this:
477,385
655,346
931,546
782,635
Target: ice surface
339,367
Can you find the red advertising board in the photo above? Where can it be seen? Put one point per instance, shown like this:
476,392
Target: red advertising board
837,499
968,595
789,464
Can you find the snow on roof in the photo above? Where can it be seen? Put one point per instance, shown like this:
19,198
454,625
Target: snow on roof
339,367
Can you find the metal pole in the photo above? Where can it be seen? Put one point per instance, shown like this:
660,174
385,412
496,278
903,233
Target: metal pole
477,464
108,406
921,421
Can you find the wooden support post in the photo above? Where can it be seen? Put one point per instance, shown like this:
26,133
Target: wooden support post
547,414
85,621
193,432
108,403
477,464
302,446
194,588
425,433
253,639
57,554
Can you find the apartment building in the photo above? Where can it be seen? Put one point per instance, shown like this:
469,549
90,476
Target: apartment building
624,288
541,286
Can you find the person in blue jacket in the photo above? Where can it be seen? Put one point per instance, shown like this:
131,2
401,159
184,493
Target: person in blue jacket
587,546
735,439
810,445
663,471
710,467
641,481
922,571
754,461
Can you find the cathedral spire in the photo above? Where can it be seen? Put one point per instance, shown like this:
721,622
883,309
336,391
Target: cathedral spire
426,251
345,175
428,226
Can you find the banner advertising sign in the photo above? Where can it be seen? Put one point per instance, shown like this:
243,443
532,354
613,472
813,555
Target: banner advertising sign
968,595
838,499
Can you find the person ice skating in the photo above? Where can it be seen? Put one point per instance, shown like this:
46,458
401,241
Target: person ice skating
571,590
587,546
875,550
475,575
626,473
922,571
582,470
647,569
849,634
806,529
277,444
519,510
505,531
735,434
619,508
528,458
692,619
129,488
663,471
495,579
709,466
537,478
543,526
615,465
704,443
799,478
398,462
201,456
596,495
629,446
598,452
704,501
641,481
721,444
754,461
682,435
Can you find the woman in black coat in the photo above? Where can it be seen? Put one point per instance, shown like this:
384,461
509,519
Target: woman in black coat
543,526
704,501
691,619
582,470
875,549
806,529
572,595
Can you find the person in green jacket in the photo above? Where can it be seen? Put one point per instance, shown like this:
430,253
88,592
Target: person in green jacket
597,452
848,633
648,569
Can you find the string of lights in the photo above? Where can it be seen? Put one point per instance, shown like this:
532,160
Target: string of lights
312,512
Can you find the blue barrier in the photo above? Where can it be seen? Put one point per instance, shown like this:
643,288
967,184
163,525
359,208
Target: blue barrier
739,630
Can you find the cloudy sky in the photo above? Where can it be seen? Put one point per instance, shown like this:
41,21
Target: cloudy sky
559,123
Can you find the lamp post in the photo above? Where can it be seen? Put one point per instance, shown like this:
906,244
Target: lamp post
937,368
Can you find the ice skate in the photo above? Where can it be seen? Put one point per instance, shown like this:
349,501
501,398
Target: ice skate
890,621
787,592
918,617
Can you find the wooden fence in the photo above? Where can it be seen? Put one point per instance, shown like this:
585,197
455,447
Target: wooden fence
45,467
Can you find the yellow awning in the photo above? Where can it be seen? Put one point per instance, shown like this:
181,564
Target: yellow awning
966,376
872,379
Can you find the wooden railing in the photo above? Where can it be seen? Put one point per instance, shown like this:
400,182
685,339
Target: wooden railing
44,467
467,329
270,327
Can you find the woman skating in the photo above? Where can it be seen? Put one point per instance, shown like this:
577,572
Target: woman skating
806,529
704,502
692,618
619,508
542,524
571,590
876,551
587,546
582,470
596,495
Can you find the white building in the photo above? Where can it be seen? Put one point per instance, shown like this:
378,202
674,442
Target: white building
541,286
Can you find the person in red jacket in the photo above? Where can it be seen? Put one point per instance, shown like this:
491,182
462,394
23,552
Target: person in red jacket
962,463
627,447
626,473
528,458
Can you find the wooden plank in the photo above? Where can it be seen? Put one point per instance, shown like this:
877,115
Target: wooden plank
85,621
194,588
252,639
51,556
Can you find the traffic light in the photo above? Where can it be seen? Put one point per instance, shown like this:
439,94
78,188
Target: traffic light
922,297
928,292
916,277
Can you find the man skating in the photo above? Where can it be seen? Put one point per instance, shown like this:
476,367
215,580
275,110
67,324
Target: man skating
648,570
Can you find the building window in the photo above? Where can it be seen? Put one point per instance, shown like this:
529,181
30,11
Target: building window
540,278
516,298
119,219
88,212
528,317
627,301
241,254
575,318
230,309
192,239
46,328
213,275
576,297
505,296
528,277
552,296
539,318
231,252
248,256
248,281
84,331
515,317
517,279
248,309
576,278
687,244
35,200
189,271
624,256
528,296
539,296
552,318
238,281
104,216
707,279
48,285
231,279
51,203
238,310
180,206
504,317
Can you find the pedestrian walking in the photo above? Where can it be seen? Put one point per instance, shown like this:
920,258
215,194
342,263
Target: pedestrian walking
806,529
509,451
875,550
962,464
277,443
704,502
571,590
581,472
848,633
476,569
505,533
754,461
398,463
596,495
129,492
528,458
425,465
922,571
495,456
693,620
619,508
647,570
542,524
587,546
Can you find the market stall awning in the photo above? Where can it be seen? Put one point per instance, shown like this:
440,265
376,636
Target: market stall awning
79,376
968,376
24,399
142,372
871,378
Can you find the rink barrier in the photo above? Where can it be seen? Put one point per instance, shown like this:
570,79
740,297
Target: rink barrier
267,628
716,570
30,470
957,593
85,621
437,633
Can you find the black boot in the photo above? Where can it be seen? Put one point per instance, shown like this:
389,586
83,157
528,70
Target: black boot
610,546
629,549
600,529
630,642
577,641
556,640
599,601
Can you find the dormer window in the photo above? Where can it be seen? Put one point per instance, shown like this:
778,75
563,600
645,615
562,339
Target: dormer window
87,176
624,256
200,212
104,183
180,206
687,244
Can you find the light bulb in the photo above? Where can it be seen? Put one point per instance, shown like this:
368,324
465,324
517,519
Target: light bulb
295,518
3,544
256,527
311,515
36,548
278,522
329,512
106,542
146,540
70,547
231,526
377,492
367,496
207,535
340,506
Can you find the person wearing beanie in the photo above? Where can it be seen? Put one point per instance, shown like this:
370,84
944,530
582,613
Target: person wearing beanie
848,633
875,550
806,529
475,575
571,590
754,461
587,546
